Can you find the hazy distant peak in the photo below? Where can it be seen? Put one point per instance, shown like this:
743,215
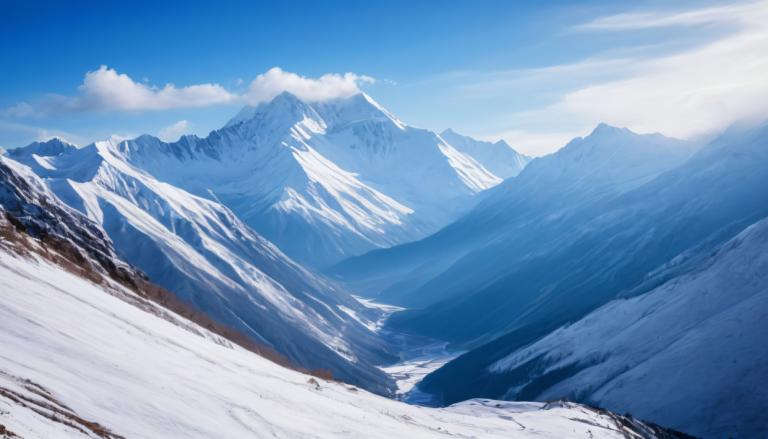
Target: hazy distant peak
49,148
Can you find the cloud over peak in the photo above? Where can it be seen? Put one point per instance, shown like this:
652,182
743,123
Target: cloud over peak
329,86
105,89
174,131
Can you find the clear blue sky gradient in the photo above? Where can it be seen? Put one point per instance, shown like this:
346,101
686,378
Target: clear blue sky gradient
425,55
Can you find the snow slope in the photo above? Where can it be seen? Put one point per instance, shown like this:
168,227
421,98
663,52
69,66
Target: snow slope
700,341
525,215
202,252
322,180
79,362
499,157
621,247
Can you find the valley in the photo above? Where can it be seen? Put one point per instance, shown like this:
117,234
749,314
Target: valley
388,219
326,255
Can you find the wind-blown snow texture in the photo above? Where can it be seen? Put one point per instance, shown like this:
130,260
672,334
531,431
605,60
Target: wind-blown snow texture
87,364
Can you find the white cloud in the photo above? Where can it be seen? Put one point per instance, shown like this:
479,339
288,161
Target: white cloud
683,95
105,89
737,13
329,86
174,131
20,110
696,91
700,90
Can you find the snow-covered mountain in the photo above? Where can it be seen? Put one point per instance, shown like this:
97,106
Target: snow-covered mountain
582,256
528,214
27,205
83,359
498,157
588,237
322,180
202,252
698,340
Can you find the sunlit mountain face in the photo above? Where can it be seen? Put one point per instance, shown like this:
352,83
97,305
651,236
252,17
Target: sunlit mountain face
337,219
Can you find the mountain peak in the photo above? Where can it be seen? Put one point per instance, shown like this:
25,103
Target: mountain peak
450,132
287,98
611,156
452,137
603,129
336,111
502,142
355,108
49,148
603,141
285,104
497,157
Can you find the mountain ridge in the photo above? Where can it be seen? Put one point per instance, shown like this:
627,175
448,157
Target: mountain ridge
200,251
344,172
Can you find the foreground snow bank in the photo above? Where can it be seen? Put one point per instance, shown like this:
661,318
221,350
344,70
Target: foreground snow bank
79,362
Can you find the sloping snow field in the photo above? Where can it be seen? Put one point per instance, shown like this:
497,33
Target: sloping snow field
70,347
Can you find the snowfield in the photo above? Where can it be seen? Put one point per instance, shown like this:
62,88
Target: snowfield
77,361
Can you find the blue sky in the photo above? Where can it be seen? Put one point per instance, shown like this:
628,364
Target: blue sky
534,73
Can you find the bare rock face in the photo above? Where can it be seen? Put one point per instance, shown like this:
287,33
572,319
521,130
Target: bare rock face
31,209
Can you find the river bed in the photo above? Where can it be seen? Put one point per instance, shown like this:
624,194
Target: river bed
419,356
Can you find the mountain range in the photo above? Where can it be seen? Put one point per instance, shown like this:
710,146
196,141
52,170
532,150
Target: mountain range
619,263
199,216
203,253
100,352
614,216
325,180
